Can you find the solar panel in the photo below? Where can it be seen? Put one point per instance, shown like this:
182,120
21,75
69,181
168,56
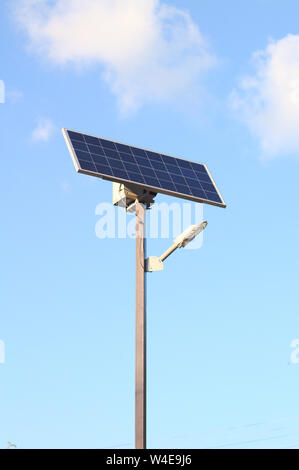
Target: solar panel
158,172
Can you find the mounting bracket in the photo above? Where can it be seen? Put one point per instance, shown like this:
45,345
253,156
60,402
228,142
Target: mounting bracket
127,195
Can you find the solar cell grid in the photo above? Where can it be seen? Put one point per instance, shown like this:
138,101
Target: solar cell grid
161,173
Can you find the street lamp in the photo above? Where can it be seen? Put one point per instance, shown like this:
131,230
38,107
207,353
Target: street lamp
138,175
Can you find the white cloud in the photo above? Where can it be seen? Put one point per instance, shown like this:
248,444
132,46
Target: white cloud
268,101
149,51
43,131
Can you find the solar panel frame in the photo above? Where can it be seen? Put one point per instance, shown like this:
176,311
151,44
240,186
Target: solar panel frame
89,141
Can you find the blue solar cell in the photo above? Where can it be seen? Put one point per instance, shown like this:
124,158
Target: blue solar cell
193,183
158,165
169,160
163,175
83,156
168,185
76,136
203,177
142,161
126,157
112,154
154,170
197,192
80,145
197,167
212,196
174,170
107,144
83,162
178,179
140,152
207,186
89,166
104,169
184,163
91,140
122,148
182,189
132,167
147,171
120,173
154,156
136,177
116,163
95,149
188,173
99,159
151,181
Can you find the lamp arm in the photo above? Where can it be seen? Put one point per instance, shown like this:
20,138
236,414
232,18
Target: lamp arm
168,252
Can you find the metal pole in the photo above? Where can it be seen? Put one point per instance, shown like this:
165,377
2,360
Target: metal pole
140,344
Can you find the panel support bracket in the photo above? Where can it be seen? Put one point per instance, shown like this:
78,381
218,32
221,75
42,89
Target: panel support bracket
127,195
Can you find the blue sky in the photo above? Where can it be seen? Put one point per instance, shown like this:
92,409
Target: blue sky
215,82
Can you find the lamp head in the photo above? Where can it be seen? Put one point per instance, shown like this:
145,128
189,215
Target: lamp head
189,234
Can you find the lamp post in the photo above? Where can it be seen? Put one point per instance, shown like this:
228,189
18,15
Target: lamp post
140,331
138,175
